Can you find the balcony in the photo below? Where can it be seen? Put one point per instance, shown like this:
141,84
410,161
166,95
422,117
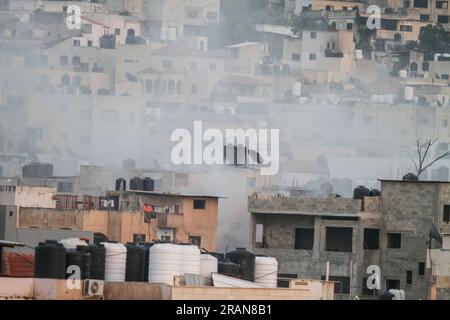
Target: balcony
333,54
170,220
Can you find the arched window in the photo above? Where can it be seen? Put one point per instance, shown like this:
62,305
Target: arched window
413,66
425,66
131,33
180,87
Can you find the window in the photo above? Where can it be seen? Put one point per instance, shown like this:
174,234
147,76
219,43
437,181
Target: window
441,4
442,19
199,204
420,3
194,89
138,237
65,187
117,31
425,66
424,17
166,239
76,43
259,234
349,26
295,57
167,64
421,269
192,13
193,65
312,56
313,35
180,87
212,67
329,8
444,76
408,277
284,279
89,43
444,123
406,28
211,15
371,239
76,60
86,28
392,284
304,238
339,239
394,240
342,284
195,240
446,213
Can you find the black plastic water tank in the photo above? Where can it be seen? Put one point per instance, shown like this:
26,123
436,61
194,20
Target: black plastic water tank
79,257
50,260
98,254
410,177
121,184
146,246
360,192
375,193
228,268
136,183
135,267
246,261
149,184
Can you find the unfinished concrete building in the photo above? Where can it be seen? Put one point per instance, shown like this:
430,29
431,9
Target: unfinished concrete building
390,231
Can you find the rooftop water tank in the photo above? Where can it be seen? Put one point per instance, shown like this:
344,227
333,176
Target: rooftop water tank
228,268
136,183
360,192
409,93
50,260
81,258
164,263
135,270
72,243
208,265
115,261
266,271
190,259
148,184
98,255
410,177
246,261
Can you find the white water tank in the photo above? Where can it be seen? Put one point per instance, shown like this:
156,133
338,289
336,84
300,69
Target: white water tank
164,263
72,243
296,88
409,93
403,74
208,265
115,261
359,54
189,259
266,271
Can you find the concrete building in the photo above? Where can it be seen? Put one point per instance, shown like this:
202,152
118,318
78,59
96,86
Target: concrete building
390,231
137,217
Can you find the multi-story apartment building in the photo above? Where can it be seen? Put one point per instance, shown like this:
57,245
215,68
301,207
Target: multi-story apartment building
391,231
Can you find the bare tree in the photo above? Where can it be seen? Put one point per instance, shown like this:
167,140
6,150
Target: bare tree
423,149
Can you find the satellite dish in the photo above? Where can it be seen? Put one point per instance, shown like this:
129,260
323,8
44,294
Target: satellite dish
130,77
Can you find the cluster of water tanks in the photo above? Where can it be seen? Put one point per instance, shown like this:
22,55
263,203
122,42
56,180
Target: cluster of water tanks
245,265
136,183
37,170
156,263
360,192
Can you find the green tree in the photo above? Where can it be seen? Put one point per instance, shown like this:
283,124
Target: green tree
434,39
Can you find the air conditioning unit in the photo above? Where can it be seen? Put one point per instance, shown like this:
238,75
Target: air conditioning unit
93,288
